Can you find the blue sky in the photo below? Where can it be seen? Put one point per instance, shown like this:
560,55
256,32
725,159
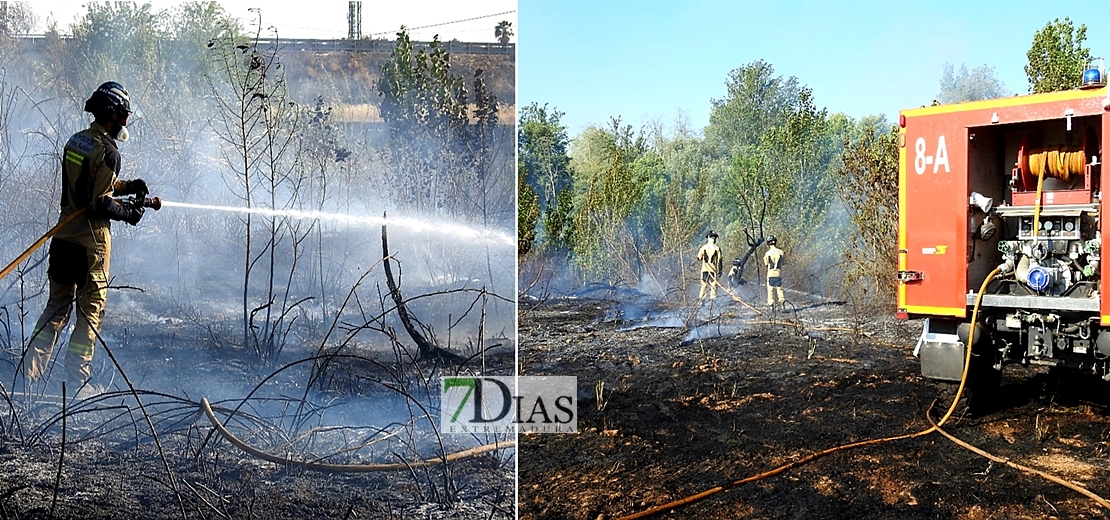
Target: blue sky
656,60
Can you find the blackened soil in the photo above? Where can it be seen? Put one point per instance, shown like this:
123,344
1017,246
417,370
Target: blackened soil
112,468
662,418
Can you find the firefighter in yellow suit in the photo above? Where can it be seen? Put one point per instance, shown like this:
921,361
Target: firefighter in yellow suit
80,252
773,260
712,264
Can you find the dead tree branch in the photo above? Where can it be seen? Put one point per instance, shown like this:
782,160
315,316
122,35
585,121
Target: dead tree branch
427,349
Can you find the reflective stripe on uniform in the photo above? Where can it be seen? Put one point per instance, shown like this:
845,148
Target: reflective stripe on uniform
80,349
100,294
74,157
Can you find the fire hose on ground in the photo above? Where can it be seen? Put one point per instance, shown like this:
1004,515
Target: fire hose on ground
936,427
345,468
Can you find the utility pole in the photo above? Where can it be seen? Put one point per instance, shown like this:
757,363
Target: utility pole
354,20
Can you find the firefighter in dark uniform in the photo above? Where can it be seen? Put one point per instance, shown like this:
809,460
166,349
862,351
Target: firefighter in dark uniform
734,273
773,260
80,252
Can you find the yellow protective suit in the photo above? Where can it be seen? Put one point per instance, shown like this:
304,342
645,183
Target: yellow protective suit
773,260
80,253
711,265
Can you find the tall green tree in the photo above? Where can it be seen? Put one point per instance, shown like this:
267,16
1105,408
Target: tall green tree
869,188
503,31
677,195
1057,57
16,19
957,86
780,149
542,145
440,146
193,27
609,185
755,101
118,40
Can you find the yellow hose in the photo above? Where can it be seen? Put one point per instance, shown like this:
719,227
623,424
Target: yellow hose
1002,460
1058,163
1037,206
38,243
935,427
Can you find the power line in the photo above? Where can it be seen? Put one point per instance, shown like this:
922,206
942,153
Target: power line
411,29
448,23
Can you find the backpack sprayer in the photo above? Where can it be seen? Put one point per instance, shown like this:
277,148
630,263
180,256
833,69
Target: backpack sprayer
154,203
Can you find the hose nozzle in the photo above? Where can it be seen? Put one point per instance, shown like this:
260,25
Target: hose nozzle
153,202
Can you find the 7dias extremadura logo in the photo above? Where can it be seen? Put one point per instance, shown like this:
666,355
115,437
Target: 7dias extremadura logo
506,404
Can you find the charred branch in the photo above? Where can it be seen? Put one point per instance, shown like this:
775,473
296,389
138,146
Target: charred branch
427,349
753,234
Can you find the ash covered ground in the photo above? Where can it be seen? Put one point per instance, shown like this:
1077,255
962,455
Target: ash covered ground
665,413
374,406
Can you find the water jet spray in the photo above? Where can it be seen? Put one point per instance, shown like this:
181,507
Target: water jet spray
453,230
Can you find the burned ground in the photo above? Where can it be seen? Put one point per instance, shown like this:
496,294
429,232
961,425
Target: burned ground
663,416
357,412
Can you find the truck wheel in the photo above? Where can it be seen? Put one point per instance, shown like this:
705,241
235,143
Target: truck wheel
980,394
946,391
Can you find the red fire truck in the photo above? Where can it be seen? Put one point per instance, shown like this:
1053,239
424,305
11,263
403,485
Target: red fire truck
1014,185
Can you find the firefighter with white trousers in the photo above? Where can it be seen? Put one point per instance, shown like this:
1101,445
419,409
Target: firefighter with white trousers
712,264
773,260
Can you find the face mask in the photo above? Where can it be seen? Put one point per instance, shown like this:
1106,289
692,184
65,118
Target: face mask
123,135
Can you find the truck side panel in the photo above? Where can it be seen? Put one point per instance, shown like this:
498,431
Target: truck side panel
1104,265
933,206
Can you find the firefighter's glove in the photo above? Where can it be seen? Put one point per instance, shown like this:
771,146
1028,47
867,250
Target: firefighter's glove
136,187
110,208
134,215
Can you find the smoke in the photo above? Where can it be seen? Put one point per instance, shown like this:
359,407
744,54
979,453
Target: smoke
449,230
178,319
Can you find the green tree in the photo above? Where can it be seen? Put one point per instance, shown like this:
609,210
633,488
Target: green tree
424,107
676,195
16,19
609,185
118,40
440,160
963,85
194,26
755,101
869,188
542,145
779,150
528,212
1057,57
503,31
557,222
